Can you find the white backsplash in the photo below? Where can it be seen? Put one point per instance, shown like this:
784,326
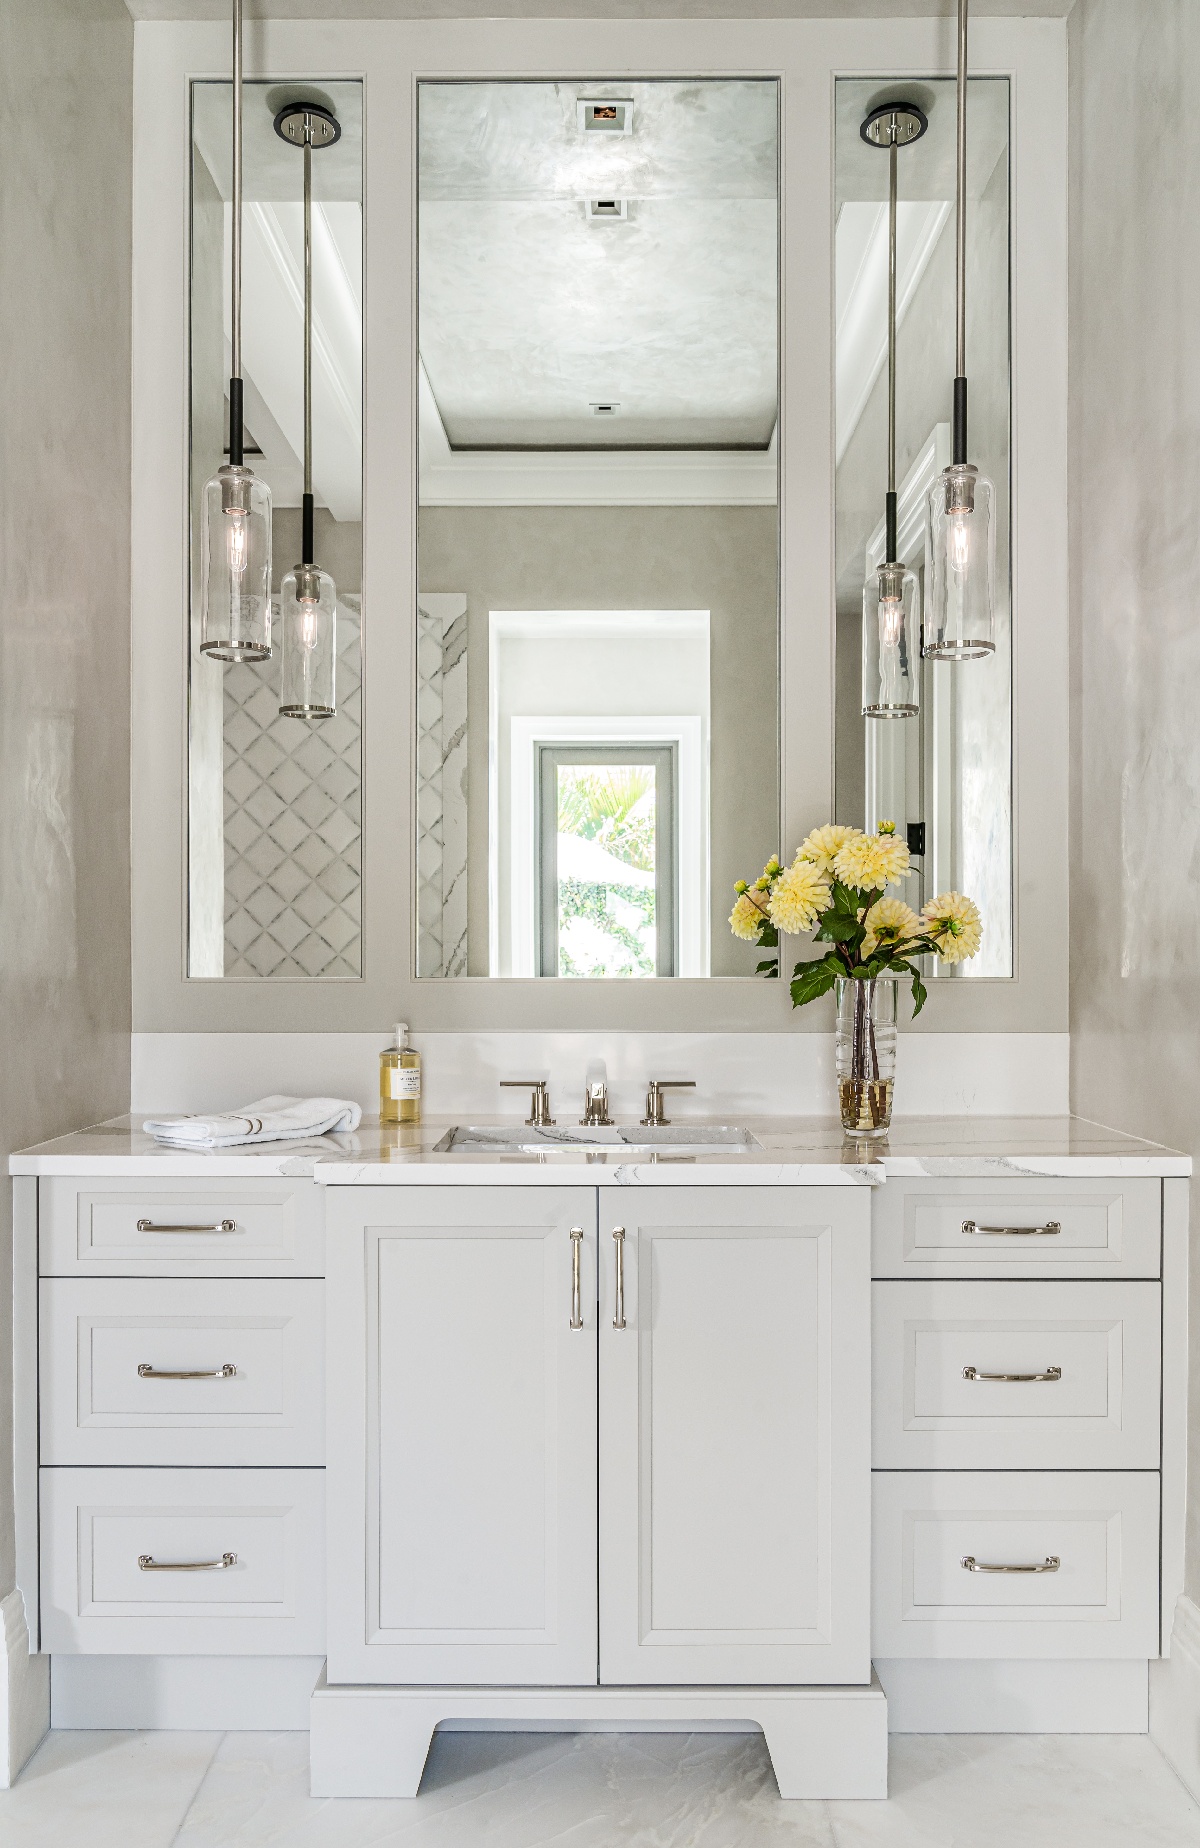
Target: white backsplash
775,1074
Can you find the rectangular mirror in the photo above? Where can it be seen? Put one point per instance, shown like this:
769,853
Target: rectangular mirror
944,776
597,669
274,809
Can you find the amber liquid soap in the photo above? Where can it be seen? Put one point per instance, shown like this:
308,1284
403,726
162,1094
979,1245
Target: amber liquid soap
400,1081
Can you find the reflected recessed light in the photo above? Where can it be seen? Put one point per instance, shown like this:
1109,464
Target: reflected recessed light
608,409
608,208
605,116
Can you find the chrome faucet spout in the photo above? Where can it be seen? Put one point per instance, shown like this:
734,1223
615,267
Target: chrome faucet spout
595,1097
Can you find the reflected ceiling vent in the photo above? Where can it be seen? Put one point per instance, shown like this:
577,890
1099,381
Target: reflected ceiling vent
607,208
605,117
608,408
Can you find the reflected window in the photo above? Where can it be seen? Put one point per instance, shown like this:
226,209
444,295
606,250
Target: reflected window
606,860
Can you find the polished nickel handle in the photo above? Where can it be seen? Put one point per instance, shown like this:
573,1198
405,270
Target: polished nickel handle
969,1563
148,1225
576,1282
619,1242
654,1118
539,1100
1051,1373
147,1372
148,1563
1051,1229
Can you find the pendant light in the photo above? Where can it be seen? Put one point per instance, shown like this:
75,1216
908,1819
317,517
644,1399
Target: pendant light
235,543
892,595
308,597
960,528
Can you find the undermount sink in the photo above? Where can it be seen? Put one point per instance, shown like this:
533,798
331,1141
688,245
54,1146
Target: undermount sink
591,1139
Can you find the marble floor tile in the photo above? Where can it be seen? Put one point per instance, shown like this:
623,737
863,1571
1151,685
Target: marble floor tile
105,1790
514,1790
1038,1790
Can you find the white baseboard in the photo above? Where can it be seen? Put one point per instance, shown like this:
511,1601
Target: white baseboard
373,1741
929,1696
1175,1697
97,1693
24,1692
757,1074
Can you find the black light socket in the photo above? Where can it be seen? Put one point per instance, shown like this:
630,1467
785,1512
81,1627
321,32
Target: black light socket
889,516
960,420
306,530
235,422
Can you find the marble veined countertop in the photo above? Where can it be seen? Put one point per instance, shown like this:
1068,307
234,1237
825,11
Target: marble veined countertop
792,1151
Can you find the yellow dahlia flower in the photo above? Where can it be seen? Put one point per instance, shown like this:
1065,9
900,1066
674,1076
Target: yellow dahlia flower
800,895
746,917
870,861
823,843
889,920
955,925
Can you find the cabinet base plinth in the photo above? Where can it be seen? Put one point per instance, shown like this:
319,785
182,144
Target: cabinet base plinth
824,1742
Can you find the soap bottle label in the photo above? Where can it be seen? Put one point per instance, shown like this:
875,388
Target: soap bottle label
404,1081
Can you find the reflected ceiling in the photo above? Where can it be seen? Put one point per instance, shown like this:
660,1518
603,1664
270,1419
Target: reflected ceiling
534,311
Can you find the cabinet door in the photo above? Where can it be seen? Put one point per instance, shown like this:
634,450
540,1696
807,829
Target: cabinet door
461,1435
735,1435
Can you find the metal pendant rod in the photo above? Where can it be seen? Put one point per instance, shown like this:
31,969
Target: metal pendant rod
891,485
235,382
308,488
960,252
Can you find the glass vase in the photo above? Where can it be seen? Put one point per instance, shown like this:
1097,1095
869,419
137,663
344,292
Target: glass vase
865,1053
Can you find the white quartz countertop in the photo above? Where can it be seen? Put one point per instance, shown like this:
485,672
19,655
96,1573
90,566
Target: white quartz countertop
793,1151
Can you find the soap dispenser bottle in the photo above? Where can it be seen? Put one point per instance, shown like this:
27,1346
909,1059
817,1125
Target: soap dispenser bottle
400,1081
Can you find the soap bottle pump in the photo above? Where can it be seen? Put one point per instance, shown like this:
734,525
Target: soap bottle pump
400,1081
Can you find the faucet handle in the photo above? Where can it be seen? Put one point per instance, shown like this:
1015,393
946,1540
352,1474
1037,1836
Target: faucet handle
654,1118
539,1101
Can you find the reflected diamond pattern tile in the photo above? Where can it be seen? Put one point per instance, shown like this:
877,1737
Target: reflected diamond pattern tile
292,824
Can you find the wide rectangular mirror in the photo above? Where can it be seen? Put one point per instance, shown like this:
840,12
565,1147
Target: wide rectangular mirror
943,775
597,681
274,809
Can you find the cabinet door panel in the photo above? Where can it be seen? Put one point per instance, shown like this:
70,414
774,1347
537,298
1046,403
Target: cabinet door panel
463,1436
734,1426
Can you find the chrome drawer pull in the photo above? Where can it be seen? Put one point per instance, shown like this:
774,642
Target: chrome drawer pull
148,1563
1051,1373
1051,1229
969,1563
148,1225
576,1285
147,1372
619,1308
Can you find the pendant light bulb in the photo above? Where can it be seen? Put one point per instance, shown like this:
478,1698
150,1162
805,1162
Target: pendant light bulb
308,595
235,517
960,532
891,632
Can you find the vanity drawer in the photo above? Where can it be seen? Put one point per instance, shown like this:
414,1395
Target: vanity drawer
940,1227
168,1227
1093,1349
97,1406
1100,1601
97,1524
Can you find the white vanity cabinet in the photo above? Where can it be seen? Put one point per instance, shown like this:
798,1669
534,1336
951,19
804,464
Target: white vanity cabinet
699,1353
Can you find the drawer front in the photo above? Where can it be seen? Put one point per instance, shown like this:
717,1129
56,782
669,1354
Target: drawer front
1101,1600
164,1227
1017,1228
1087,1357
97,1524
256,1347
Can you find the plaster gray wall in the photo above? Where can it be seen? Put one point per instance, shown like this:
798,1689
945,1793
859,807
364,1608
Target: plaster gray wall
65,126
720,559
1135,697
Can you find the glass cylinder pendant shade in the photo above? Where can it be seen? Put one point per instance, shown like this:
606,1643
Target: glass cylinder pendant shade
236,566
960,614
308,620
891,644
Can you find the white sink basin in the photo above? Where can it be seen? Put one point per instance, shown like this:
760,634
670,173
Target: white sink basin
678,1138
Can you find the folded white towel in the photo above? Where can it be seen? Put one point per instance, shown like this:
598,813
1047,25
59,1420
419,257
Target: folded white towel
271,1119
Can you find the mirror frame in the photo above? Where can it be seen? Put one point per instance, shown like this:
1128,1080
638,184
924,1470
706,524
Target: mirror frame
390,57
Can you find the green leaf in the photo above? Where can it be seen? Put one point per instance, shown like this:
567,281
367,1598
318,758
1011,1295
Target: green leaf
769,968
919,994
811,980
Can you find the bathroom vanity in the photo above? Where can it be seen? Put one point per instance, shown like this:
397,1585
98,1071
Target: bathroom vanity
747,1437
